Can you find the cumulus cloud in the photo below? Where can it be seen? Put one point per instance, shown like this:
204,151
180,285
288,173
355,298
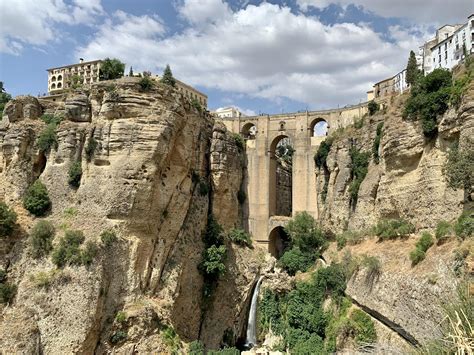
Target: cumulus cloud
433,11
286,55
32,22
202,12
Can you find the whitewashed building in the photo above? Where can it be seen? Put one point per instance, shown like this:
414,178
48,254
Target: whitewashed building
228,112
446,50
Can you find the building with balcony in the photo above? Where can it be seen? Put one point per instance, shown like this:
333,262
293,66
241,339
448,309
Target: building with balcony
82,73
228,112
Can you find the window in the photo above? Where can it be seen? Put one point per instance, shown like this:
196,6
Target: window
440,58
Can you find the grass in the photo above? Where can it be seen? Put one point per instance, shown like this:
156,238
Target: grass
393,228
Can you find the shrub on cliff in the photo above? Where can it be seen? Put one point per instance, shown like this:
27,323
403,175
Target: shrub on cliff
393,228
363,327
41,237
75,174
429,99
196,348
443,230
36,199
240,237
305,234
459,167
90,148
295,260
7,292
373,107
464,226
359,168
47,139
213,261
4,98
423,244
376,144
146,83
108,237
167,77
321,155
7,220
68,251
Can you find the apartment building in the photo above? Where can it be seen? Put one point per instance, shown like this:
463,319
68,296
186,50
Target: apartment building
62,78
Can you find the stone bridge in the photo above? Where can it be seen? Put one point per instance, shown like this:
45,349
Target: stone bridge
305,130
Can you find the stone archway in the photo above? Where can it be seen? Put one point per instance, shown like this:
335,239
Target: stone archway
249,130
278,241
319,127
281,176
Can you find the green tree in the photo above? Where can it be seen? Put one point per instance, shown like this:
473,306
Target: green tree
413,73
111,69
41,237
305,234
168,78
130,73
36,199
75,174
7,220
4,97
373,107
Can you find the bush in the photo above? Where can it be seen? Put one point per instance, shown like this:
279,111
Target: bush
7,220
240,237
167,77
305,234
68,251
213,261
417,255
146,83
358,124
195,103
464,226
7,292
47,139
239,142
75,174
376,145
108,237
359,168
121,317
196,348
111,69
225,351
363,327
373,265
51,119
321,155
423,244
295,260
41,237
393,228
3,275
429,99
348,237
89,253
341,241
443,230
90,148
214,232
36,199
459,167
118,337
373,107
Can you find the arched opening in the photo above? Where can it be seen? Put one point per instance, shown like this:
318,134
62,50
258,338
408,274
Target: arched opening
53,86
319,128
281,179
249,131
53,78
60,85
60,77
278,242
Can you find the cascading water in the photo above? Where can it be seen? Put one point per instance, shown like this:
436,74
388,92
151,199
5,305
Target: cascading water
252,326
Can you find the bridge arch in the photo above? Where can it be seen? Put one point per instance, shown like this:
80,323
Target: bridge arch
249,130
278,241
319,127
281,176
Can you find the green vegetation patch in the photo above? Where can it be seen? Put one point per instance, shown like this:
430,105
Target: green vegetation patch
75,174
424,243
41,238
36,199
69,252
359,169
393,228
7,220
240,237
376,144
464,226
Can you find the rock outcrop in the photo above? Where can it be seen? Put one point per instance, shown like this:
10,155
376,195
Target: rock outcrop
140,154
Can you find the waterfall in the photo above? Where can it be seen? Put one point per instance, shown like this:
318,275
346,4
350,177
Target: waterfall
252,326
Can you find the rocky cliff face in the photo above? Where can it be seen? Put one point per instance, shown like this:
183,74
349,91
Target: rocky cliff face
145,178
407,182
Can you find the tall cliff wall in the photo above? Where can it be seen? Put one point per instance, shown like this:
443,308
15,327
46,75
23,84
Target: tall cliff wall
146,179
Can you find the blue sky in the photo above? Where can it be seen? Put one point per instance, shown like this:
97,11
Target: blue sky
261,56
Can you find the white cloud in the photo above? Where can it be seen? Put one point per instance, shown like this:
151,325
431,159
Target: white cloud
432,11
286,56
202,12
33,22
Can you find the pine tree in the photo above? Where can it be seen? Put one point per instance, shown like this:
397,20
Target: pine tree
131,71
168,78
413,72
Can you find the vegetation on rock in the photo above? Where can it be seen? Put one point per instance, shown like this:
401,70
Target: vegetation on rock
373,107
146,83
4,97
47,139
376,144
75,174
393,228
111,69
68,251
36,199
423,244
359,169
7,220
7,292
459,167
167,77
321,155
90,148
108,237
413,74
464,226
41,238
240,237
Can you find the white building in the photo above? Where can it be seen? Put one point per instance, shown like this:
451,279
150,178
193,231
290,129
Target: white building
446,50
83,73
400,82
228,112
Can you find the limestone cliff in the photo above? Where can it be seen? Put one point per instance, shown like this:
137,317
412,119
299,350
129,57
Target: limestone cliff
408,182
153,155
